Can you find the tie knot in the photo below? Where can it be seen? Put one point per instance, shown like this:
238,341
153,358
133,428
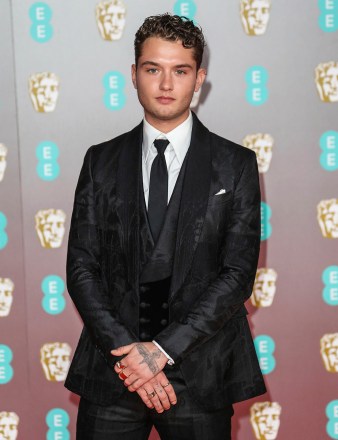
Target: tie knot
161,145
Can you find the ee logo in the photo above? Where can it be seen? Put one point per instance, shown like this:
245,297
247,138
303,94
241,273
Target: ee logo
3,233
185,8
328,18
329,146
40,15
53,288
265,347
114,97
266,228
330,280
47,154
57,420
332,415
6,370
256,78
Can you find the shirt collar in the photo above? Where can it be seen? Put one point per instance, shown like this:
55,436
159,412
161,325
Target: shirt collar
179,138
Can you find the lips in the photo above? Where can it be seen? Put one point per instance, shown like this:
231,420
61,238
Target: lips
165,100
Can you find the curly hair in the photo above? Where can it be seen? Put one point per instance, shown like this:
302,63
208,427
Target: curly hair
171,28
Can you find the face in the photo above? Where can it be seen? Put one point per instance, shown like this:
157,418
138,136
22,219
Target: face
166,79
265,420
6,296
328,217
255,16
264,288
55,359
111,19
44,91
3,161
8,426
50,226
327,82
329,352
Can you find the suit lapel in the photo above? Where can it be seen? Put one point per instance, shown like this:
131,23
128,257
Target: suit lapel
127,189
194,201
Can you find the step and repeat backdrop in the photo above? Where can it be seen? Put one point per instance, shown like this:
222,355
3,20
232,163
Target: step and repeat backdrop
272,86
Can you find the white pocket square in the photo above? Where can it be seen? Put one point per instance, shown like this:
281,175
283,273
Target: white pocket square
221,191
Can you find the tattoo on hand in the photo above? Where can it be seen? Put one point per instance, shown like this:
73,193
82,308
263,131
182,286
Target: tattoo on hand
149,358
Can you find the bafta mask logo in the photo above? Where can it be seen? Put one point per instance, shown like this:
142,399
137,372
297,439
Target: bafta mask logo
6,296
329,352
44,91
327,81
3,161
262,145
9,422
264,288
255,15
55,360
50,227
265,420
111,19
327,215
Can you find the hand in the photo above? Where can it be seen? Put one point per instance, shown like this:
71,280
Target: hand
142,363
164,397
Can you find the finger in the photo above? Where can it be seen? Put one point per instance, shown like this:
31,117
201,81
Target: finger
153,397
169,389
125,349
119,366
162,395
135,386
144,396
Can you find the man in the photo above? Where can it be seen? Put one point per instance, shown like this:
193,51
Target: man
163,252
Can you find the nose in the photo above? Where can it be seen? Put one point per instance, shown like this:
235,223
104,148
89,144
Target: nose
166,81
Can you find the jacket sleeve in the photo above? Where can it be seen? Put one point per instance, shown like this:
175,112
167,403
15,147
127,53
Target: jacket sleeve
84,278
233,285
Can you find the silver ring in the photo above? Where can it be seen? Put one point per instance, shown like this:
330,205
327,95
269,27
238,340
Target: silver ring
166,385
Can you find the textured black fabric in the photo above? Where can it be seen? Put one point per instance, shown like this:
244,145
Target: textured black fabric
158,189
214,267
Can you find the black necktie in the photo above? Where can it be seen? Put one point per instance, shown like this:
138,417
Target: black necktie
158,189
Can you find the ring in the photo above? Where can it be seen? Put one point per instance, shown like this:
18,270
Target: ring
151,395
118,364
166,385
122,375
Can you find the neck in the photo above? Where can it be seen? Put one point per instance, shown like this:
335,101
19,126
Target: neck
166,125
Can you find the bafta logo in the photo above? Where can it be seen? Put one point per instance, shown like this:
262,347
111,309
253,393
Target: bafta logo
327,81
55,360
111,19
262,145
50,227
6,296
329,352
44,91
255,15
264,288
265,420
3,161
327,215
9,422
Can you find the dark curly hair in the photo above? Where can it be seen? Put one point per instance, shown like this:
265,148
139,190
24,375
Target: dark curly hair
171,28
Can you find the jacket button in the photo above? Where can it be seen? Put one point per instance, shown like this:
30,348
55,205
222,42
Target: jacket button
143,289
164,322
143,305
144,336
164,305
144,320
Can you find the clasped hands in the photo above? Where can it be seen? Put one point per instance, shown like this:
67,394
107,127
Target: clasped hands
141,371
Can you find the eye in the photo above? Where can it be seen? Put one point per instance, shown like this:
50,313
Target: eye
181,72
152,70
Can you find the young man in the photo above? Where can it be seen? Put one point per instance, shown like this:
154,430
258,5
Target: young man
163,251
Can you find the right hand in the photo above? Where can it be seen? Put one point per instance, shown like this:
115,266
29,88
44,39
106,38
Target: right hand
165,396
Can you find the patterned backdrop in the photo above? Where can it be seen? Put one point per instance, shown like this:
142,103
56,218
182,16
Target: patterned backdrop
272,86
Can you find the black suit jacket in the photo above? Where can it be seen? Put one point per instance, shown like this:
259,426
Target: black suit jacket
215,262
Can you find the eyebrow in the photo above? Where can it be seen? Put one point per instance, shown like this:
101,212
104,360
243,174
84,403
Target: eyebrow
153,63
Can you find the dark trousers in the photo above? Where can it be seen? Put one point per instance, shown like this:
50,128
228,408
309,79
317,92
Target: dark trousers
130,419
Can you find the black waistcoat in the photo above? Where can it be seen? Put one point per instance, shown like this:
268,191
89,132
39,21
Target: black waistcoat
156,263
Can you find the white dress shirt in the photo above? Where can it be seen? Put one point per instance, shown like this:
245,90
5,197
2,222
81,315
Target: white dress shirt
179,141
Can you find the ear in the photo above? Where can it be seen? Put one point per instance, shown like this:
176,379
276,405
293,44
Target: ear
200,77
133,75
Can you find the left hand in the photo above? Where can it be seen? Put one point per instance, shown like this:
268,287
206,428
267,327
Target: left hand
143,362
